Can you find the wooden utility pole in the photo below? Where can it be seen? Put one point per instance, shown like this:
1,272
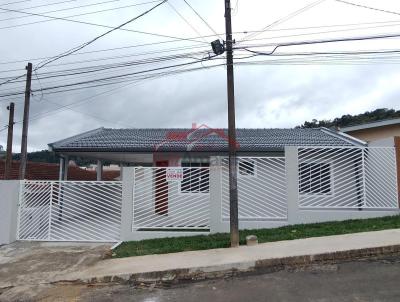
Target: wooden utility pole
233,191
7,173
24,140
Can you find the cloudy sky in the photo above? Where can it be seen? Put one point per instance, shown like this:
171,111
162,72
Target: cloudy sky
282,90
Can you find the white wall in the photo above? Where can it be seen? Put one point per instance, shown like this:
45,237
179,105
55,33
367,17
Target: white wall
9,196
384,142
296,214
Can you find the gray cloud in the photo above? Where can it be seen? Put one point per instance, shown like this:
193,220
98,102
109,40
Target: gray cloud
266,96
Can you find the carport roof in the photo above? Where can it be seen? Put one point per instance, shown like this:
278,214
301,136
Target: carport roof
198,140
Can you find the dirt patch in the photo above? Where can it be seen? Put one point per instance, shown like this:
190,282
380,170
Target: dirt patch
28,268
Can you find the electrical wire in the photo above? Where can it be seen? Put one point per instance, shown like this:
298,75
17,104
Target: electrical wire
185,20
15,2
369,7
386,23
94,97
90,23
114,77
85,113
286,18
75,49
95,68
322,41
47,4
202,19
42,14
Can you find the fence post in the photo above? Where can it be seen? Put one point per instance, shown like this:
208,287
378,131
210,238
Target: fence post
127,203
292,184
215,195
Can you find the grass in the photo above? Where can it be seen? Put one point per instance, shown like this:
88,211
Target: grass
221,240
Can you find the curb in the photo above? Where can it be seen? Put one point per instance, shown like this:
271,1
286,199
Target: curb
186,275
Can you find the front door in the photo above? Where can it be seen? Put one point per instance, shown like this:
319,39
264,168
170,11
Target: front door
161,186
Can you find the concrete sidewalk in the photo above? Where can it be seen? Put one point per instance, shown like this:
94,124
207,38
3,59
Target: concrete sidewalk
226,262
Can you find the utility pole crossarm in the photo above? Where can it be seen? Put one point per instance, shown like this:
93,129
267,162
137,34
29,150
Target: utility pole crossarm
233,191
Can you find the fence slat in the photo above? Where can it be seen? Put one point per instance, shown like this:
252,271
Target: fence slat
70,211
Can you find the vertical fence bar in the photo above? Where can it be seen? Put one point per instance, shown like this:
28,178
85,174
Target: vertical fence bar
50,209
133,199
363,178
21,187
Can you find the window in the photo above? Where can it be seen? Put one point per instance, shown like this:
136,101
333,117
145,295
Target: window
246,167
315,178
196,178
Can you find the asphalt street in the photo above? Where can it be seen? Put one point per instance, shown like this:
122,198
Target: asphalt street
364,280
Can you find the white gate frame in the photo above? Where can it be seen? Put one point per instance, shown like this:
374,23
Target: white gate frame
79,198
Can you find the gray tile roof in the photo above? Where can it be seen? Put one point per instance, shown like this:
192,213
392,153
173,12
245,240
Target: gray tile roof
210,140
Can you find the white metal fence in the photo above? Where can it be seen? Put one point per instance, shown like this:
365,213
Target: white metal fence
347,178
180,198
162,200
70,211
261,188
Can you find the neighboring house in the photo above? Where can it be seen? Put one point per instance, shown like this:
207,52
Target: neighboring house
384,133
381,133
190,147
48,171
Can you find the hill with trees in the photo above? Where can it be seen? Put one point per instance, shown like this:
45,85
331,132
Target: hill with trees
349,120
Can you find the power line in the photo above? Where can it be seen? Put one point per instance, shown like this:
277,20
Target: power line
115,77
47,4
91,23
73,50
102,67
29,14
108,49
95,97
369,7
185,20
204,21
287,17
86,114
317,33
309,42
386,23
15,2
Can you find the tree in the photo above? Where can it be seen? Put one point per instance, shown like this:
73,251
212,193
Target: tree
349,120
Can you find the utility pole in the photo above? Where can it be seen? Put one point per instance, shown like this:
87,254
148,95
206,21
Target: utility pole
233,191
24,140
7,173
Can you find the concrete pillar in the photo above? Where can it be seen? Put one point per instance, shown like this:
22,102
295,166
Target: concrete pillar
99,170
64,161
127,203
292,184
66,165
9,200
216,225
61,169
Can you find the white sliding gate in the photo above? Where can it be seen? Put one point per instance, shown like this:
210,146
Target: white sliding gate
261,188
165,201
70,211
